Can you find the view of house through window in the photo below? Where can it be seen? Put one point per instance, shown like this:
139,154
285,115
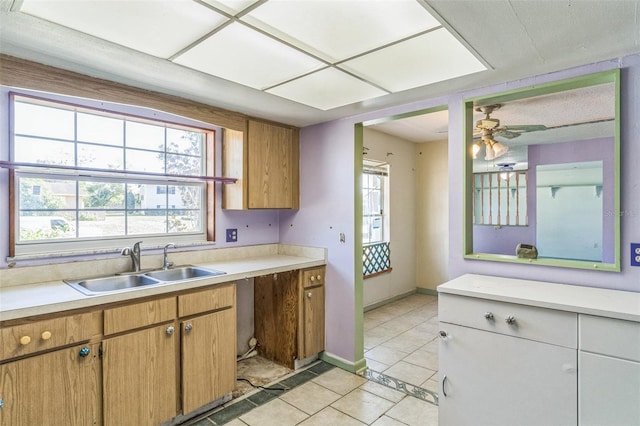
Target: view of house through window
107,177
375,218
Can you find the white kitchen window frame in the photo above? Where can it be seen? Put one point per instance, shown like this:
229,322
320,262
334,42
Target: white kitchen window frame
94,245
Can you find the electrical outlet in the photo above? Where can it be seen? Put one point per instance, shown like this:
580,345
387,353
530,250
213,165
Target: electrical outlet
635,254
232,235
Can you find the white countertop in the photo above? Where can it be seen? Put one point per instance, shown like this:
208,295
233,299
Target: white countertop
585,300
22,301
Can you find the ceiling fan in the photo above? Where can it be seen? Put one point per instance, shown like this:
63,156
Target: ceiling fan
488,128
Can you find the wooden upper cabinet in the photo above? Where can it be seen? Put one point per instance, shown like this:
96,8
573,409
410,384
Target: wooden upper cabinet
265,160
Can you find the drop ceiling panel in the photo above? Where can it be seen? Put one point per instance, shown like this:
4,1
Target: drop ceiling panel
427,59
232,7
337,30
326,89
244,56
159,28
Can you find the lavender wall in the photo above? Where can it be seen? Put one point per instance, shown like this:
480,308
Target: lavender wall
488,239
327,185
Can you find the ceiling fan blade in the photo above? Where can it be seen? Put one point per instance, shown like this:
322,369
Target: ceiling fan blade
526,127
507,134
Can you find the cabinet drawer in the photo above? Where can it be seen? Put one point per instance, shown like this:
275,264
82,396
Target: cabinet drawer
609,336
48,334
208,300
313,277
529,322
139,315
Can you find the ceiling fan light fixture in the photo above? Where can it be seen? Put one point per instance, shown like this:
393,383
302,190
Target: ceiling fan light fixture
489,153
499,149
476,149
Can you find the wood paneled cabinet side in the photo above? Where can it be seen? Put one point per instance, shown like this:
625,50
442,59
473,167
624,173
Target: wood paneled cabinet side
59,388
311,329
265,160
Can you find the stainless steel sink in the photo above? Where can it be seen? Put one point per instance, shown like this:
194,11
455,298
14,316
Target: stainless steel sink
117,283
114,283
183,273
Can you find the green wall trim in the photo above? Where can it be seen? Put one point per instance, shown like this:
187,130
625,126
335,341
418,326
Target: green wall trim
391,299
427,291
358,281
611,76
357,367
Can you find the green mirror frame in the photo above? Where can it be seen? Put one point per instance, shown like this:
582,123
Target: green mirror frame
612,76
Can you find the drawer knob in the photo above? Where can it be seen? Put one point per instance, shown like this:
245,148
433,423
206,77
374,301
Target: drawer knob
309,295
188,327
313,278
318,277
25,340
510,319
46,335
85,351
488,315
170,330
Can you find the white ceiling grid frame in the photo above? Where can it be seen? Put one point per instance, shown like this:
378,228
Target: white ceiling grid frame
160,30
248,57
338,30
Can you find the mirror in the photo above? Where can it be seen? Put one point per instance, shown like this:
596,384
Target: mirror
542,174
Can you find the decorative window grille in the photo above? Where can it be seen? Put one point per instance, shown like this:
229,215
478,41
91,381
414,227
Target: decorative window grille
376,258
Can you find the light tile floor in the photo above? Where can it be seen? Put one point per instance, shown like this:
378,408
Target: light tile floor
400,340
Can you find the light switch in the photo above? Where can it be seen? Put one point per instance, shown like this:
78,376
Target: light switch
635,254
232,235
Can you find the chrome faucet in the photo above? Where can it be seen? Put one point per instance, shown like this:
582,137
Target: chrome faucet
166,264
134,252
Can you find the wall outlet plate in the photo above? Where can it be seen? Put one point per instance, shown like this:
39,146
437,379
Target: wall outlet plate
232,235
635,254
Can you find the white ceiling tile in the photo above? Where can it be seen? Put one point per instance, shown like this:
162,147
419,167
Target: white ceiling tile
239,54
337,30
427,59
326,89
231,6
159,28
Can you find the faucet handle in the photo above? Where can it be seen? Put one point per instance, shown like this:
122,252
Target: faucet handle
125,251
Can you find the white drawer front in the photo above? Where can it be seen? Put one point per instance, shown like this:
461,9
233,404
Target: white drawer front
528,322
609,336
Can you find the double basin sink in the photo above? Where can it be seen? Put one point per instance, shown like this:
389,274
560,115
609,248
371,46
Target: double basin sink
116,283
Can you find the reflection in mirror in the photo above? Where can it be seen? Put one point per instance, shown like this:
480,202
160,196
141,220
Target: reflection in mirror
542,171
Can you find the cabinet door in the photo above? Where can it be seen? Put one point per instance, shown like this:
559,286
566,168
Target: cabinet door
208,358
271,166
140,377
492,379
609,391
60,388
313,326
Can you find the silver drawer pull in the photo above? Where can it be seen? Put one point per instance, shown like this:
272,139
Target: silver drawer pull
510,319
488,315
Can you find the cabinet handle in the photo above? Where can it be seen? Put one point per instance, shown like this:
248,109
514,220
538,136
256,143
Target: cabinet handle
510,319
170,330
444,379
188,327
25,340
309,295
46,335
488,315
85,351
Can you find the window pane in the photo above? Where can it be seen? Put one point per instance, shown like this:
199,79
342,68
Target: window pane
101,224
99,157
145,136
145,161
184,165
147,222
102,195
185,196
184,141
184,221
101,130
47,194
38,120
45,226
43,151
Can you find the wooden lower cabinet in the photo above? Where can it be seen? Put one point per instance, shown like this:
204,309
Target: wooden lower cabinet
208,357
59,388
312,340
140,385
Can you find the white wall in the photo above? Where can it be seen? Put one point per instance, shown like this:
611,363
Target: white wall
432,214
400,155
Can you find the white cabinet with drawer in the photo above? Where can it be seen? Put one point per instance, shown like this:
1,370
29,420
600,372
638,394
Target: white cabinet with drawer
495,355
609,372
